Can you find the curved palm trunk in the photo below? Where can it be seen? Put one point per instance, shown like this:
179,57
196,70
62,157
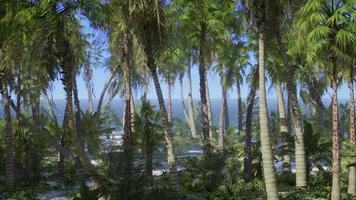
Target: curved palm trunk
10,151
167,128
351,189
267,155
222,120
186,116
68,75
169,109
301,176
239,106
190,104
335,190
102,95
283,127
248,136
62,142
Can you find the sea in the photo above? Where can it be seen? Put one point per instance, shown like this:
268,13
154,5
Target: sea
117,106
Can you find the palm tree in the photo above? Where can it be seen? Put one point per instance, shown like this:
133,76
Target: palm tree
251,98
9,160
330,32
151,33
276,10
258,11
352,171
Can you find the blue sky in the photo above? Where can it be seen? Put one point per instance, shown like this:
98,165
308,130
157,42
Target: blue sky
101,73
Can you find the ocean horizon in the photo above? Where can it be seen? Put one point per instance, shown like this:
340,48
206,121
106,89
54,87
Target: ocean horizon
117,105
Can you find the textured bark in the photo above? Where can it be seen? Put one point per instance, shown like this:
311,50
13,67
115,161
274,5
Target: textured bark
128,144
9,139
77,109
190,104
207,135
239,106
185,112
169,109
89,86
222,120
301,180
210,114
335,190
68,75
167,128
226,112
283,127
148,34
102,95
267,155
351,189
248,137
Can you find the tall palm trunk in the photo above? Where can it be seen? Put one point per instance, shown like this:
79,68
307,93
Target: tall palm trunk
351,189
239,106
169,109
88,73
267,155
210,114
68,75
9,140
128,142
102,95
283,127
226,113
335,190
301,176
222,120
248,136
167,128
62,142
203,96
77,109
185,112
190,104
148,33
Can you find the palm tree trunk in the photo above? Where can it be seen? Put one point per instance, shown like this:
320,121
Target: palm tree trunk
102,95
167,128
351,189
185,112
301,177
248,136
68,75
335,190
77,109
207,135
222,121
226,113
88,73
169,109
190,104
267,155
283,127
128,142
9,140
210,114
239,106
